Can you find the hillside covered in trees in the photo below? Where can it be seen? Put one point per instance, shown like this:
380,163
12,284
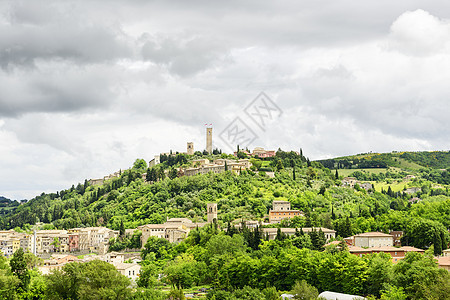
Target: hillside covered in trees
309,186
241,263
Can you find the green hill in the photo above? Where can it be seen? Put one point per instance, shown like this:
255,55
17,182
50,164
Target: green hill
403,160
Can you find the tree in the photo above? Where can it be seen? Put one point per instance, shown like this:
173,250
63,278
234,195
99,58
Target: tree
173,173
304,291
336,175
19,268
415,273
156,245
148,276
140,164
92,280
378,273
121,229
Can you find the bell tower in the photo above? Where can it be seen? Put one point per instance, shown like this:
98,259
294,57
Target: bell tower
190,148
212,212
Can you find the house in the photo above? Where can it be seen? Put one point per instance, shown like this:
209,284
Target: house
397,253
373,239
130,270
282,210
261,153
444,262
349,181
114,257
365,185
446,252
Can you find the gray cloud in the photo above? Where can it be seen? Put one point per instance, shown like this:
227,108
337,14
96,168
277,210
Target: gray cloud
86,88
51,31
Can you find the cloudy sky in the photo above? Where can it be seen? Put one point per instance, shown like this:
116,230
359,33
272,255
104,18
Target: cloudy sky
86,87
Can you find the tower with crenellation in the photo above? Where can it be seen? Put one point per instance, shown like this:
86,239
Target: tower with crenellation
209,140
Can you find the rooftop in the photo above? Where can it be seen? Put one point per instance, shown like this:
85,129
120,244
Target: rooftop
373,234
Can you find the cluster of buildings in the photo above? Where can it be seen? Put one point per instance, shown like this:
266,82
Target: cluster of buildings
258,152
89,239
130,269
352,181
377,242
204,166
176,229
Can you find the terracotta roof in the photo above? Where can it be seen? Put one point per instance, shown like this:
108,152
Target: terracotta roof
373,234
333,243
388,248
124,266
444,261
358,249
412,249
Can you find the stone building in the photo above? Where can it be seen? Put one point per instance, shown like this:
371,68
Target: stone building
282,210
209,140
373,239
212,212
190,148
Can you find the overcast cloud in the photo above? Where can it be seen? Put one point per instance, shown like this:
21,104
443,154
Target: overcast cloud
86,87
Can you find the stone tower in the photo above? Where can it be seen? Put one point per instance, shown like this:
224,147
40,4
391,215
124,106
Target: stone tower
190,148
212,212
209,140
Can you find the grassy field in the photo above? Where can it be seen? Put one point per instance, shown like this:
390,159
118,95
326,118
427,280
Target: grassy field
404,164
396,187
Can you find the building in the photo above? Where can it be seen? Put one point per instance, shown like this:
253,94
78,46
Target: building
211,212
446,252
365,185
349,181
190,148
282,210
95,239
205,169
209,140
397,253
373,239
129,270
272,232
444,262
397,237
261,153
155,161
174,230
73,242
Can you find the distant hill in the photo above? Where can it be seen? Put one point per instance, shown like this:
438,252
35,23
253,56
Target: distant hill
404,160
